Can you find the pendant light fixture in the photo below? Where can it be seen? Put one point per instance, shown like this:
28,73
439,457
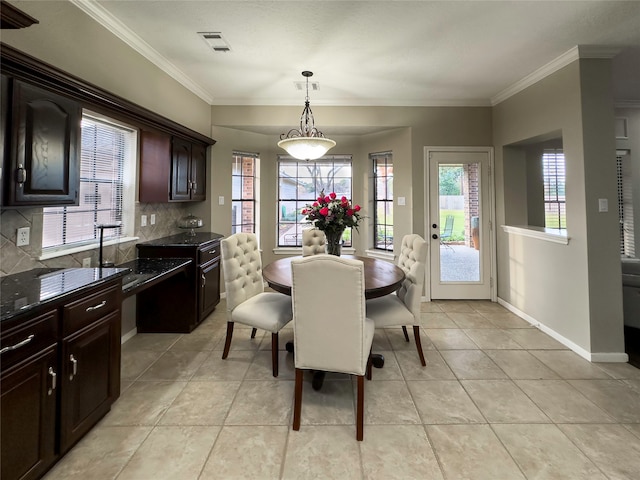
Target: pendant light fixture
307,143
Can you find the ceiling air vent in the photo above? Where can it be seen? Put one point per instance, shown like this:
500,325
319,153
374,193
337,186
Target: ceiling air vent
216,41
312,85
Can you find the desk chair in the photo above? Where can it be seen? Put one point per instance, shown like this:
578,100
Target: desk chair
403,308
331,332
247,302
313,242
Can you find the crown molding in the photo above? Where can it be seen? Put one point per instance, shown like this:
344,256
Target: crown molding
627,104
575,53
120,30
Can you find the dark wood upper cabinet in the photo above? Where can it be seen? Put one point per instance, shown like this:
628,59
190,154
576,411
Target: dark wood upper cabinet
172,169
13,18
44,163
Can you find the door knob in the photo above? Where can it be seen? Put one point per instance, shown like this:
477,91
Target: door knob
434,236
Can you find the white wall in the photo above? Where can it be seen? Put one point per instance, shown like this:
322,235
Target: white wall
573,289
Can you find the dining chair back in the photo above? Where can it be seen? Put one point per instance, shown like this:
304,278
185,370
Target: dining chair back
403,308
247,302
313,242
331,331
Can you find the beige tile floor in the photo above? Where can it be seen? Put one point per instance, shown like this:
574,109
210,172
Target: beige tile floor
498,399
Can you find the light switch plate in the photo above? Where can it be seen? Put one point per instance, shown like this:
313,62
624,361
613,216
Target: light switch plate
153,219
220,200
143,221
401,201
603,205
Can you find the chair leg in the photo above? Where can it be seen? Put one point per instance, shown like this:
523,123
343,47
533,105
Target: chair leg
406,335
369,364
360,410
297,399
274,353
416,334
253,332
227,342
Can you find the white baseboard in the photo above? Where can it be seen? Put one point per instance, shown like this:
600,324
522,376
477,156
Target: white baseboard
608,357
129,335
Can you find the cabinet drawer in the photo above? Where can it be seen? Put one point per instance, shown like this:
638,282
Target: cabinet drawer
90,308
24,340
208,253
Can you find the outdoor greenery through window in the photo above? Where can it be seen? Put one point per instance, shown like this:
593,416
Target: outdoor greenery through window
383,200
243,195
106,151
299,183
553,171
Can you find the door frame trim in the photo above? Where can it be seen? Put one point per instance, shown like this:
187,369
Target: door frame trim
493,286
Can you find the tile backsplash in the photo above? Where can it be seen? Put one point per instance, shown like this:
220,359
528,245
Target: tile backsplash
14,259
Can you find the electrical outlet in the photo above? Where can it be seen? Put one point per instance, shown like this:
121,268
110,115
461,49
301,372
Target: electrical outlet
86,262
220,200
153,219
22,237
143,221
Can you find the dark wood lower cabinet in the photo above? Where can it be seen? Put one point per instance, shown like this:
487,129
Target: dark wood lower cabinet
60,373
209,287
88,372
28,412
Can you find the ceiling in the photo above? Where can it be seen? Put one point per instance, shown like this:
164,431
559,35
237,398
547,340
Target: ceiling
384,53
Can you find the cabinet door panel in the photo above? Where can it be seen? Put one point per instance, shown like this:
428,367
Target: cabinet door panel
198,172
209,288
45,148
180,170
28,409
89,376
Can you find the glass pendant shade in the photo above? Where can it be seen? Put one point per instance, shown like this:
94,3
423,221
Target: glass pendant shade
306,143
306,148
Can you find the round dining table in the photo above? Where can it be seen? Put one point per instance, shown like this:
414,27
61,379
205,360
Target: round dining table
380,278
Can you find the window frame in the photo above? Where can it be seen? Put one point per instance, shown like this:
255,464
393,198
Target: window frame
302,201
554,187
386,199
255,158
127,185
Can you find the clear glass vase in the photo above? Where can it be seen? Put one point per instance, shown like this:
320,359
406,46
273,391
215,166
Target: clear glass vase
334,241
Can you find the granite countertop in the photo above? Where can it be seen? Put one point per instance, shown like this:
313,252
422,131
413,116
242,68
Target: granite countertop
144,271
24,291
184,239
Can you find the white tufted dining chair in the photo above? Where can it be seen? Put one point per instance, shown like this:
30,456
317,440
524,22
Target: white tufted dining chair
247,302
403,308
331,332
313,242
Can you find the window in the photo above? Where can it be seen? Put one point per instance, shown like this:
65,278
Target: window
107,152
382,200
553,172
243,195
300,183
625,205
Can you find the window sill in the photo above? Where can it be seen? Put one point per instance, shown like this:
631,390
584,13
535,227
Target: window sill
541,233
298,251
380,254
83,248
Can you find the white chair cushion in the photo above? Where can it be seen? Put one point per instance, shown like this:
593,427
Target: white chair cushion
389,311
268,311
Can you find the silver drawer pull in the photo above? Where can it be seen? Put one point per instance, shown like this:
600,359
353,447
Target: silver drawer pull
18,345
74,363
95,307
204,280
211,252
53,376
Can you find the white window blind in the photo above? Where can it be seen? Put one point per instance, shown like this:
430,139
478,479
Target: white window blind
104,151
553,171
625,206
